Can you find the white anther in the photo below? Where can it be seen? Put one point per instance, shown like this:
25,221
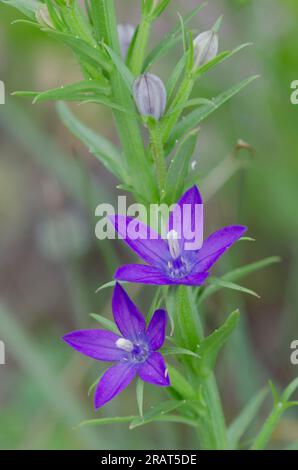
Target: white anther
124,344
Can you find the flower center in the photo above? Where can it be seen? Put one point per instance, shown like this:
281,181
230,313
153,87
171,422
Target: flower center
177,267
174,245
137,352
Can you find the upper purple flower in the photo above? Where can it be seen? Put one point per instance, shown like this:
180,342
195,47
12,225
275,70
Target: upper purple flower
134,352
172,260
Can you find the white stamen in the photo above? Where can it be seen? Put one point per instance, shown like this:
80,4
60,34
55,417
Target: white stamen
166,373
124,344
174,245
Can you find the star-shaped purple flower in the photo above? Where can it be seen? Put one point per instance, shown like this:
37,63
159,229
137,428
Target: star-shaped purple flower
171,260
135,352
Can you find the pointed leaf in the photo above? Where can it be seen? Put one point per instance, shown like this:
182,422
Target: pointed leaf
179,167
238,273
156,412
104,421
180,384
211,345
193,119
105,322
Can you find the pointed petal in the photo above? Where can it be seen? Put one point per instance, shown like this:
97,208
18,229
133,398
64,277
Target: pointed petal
128,318
156,331
187,219
143,240
113,381
98,344
141,274
216,244
154,371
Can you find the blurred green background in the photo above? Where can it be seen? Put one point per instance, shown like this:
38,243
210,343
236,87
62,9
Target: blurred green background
51,262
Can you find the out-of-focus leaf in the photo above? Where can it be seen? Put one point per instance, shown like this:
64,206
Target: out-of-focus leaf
105,322
103,149
179,167
240,425
28,7
212,344
239,273
194,118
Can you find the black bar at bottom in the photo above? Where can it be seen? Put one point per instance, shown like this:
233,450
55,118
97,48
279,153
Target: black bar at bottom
136,459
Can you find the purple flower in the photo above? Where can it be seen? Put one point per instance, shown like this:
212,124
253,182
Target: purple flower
135,352
180,258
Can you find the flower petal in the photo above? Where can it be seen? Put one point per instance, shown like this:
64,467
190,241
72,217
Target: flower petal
142,274
128,318
187,219
156,331
216,244
143,240
113,381
98,344
154,371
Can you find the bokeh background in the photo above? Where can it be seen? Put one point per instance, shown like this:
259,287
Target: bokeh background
51,262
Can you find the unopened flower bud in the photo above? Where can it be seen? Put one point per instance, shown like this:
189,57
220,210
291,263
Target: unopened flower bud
150,95
206,47
126,33
43,17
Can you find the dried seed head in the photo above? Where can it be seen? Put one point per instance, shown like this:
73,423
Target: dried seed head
126,33
206,47
150,95
43,17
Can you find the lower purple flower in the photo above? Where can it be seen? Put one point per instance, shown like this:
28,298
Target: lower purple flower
135,352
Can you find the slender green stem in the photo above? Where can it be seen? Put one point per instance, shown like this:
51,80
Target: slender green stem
158,155
268,427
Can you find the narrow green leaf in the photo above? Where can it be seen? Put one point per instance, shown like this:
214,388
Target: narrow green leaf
125,73
179,168
291,388
196,117
104,421
239,273
170,39
28,7
212,344
180,384
219,59
106,285
178,351
94,56
160,8
186,332
97,145
74,92
105,322
240,425
214,281
140,396
156,412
